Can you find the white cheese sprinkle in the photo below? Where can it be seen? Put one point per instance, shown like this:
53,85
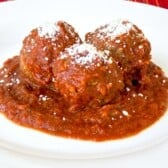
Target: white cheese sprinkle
48,30
163,81
2,81
46,58
43,97
114,29
125,113
140,95
128,89
63,118
87,54
140,46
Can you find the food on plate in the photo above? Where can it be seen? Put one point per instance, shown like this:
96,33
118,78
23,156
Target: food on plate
105,87
41,46
126,44
85,76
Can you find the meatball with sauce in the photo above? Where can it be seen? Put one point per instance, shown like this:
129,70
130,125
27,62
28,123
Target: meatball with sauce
126,44
41,47
86,77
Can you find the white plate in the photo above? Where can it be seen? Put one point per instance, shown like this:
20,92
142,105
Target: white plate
22,144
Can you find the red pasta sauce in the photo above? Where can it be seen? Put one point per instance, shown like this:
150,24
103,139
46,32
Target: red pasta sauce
84,90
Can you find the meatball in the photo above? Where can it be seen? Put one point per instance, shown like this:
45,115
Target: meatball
41,47
126,44
86,77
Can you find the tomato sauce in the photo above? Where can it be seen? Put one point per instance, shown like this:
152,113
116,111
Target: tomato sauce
104,88
134,110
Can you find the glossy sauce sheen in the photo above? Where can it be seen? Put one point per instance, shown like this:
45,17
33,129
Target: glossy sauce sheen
132,107
135,109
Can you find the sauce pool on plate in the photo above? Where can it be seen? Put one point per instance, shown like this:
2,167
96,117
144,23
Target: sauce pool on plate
104,87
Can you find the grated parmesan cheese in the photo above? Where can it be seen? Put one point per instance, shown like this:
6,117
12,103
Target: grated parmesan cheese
125,113
48,30
114,29
87,54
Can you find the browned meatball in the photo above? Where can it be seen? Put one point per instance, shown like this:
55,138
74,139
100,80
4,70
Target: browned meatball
124,40
126,44
41,46
86,77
